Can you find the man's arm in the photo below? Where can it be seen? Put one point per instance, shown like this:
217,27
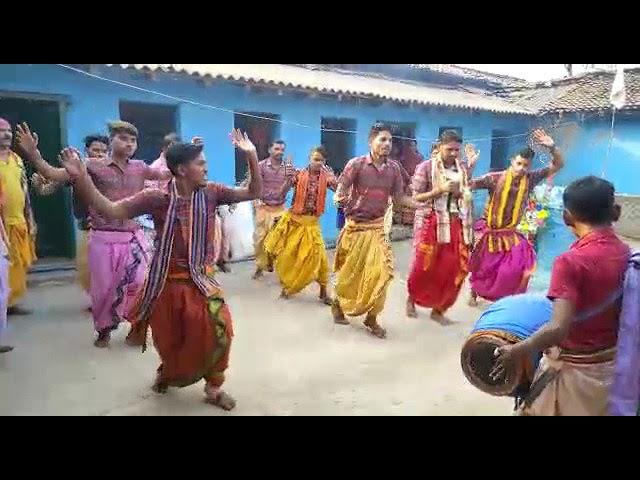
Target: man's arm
157,174
254,188
27,143
540,137
398,193
345,182
42,186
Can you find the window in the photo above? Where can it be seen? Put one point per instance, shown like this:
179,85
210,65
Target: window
340,144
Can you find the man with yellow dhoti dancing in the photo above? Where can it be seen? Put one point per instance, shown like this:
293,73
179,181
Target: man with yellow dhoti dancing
18,219
296,242
269,208
364,261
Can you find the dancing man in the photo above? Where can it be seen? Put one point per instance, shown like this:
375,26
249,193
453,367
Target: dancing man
442,228
503,260
364,260
181,301
117,247
296,242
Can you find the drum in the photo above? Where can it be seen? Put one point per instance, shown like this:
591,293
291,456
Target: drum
507,321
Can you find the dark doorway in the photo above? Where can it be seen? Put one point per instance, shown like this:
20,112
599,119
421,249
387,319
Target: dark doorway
402,131
153,122
52,213
341,143
262,132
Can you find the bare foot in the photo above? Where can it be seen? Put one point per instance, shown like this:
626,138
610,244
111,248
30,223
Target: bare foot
159,386
258,274
103,340
473,300
411,309
6,348
324,296
219,398
376,330
440,318
338,315
16,310
284,295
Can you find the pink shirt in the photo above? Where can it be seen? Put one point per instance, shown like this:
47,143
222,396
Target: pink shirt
273,179
160,164
116,184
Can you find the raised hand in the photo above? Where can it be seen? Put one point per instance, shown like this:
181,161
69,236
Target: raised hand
472,154
71,160
540,137
197,141
241,141
26,140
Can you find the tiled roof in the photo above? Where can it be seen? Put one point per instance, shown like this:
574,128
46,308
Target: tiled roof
336,82
586,92
471,73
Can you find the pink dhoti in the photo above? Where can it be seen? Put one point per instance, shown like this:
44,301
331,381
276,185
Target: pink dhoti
501,264
4,296
118,264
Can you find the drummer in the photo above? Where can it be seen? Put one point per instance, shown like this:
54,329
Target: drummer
575,375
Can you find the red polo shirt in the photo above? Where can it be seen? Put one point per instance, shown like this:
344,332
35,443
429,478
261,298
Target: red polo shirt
586,275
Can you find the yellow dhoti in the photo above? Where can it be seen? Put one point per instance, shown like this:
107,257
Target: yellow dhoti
298,248
265,218
579,385
22,254
82,260
364,268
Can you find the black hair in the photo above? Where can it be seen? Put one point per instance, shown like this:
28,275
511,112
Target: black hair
169,139
117,127
591,200
277,142
181,153
527,153
95,137
450,136
378,127
322,151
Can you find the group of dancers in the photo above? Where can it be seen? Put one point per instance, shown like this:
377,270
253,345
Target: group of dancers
171,286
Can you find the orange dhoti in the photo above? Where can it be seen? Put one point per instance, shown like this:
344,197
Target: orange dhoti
192,333
438,269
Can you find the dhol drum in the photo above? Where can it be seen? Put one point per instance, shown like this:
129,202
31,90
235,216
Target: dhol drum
507,321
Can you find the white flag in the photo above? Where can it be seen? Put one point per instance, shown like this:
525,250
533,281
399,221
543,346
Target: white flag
618,96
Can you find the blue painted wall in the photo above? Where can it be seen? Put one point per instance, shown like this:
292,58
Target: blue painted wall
94,102
586,142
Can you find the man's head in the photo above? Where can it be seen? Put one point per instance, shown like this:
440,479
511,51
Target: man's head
449,143
186,162
589,202
124,138
276,150
6,134
169,140
413,146
318,158
521,163
380,140
96,146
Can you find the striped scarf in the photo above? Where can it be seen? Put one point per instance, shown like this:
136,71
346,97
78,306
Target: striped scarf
28,211
200,274
302,188
495,213
440,205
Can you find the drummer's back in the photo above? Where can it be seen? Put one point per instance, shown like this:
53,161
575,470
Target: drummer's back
587,275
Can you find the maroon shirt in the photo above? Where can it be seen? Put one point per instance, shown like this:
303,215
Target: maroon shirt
586,275
273,179
115,184
156,203
370,187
